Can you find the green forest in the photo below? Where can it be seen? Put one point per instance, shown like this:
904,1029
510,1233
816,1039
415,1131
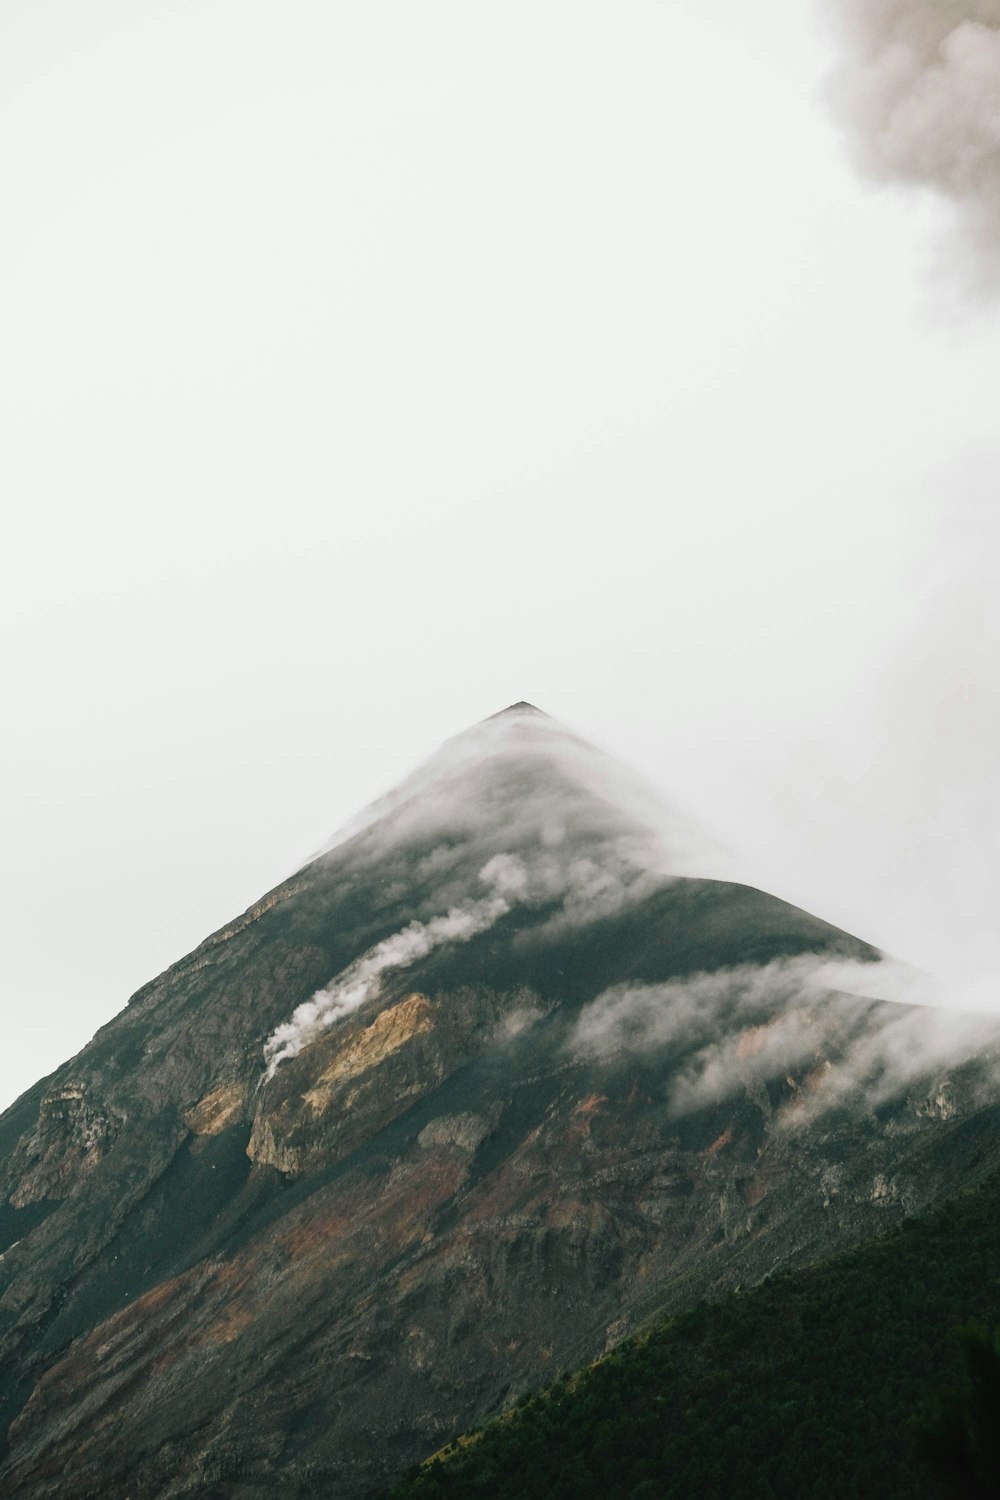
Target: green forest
807,1385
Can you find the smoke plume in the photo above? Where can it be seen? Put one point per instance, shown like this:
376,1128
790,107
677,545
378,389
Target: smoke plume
506,878
918,90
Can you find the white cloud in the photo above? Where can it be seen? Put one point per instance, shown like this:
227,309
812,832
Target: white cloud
853,1027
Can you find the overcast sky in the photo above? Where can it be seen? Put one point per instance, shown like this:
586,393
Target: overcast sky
367,366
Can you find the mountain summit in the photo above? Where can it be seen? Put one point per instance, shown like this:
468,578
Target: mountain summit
493,1078
519,708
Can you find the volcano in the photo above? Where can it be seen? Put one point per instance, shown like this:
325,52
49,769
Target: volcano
496,1077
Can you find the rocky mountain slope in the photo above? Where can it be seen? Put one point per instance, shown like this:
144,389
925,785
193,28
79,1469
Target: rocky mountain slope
488,1083
804,1388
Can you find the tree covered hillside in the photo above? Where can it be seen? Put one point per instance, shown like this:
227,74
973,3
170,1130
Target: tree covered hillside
804,1386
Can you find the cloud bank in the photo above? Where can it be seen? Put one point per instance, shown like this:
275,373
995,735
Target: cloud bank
918,91
829,1029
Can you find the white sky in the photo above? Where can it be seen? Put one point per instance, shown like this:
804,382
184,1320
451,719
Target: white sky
367,366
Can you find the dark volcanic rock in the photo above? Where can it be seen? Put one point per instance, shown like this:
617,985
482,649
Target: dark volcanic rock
513,1110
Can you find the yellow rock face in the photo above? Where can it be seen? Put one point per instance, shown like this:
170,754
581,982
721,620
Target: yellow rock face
388,1032
217,1110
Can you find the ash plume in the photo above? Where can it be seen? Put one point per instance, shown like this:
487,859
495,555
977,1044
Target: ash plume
918,91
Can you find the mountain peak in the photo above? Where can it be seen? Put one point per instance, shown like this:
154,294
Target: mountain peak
518,708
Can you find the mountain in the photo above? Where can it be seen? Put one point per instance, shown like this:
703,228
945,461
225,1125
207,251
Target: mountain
495,1078
805,1387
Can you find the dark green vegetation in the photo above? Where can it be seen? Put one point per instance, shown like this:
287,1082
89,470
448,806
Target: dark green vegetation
957,1432
806,1386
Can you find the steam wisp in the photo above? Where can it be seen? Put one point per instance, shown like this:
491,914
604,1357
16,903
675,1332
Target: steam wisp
506,878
